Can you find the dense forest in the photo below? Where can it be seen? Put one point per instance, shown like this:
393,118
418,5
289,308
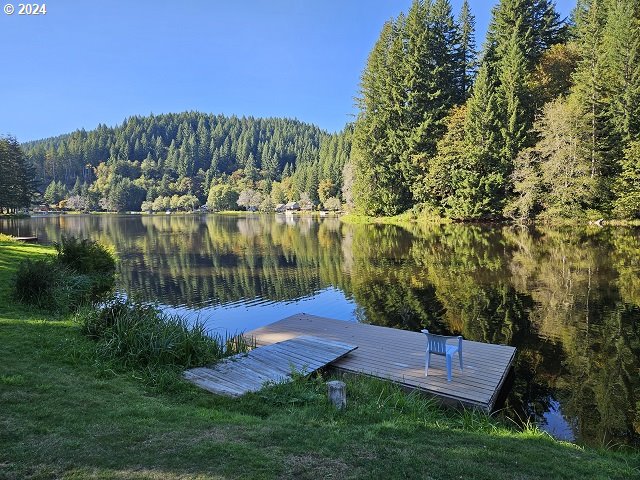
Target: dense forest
181,161
550,127
542,122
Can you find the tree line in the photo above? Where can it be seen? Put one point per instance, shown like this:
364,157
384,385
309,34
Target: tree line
550,126
177,160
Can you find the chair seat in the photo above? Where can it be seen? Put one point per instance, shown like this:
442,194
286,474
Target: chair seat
451,349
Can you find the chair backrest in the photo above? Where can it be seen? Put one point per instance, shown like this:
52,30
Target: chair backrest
438,343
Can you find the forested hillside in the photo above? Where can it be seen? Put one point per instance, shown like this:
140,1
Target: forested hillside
174,160
550,127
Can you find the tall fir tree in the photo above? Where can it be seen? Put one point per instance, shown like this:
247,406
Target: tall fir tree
620,59
590,95
467,55
484,141
513,99
378,186
539,28
17,177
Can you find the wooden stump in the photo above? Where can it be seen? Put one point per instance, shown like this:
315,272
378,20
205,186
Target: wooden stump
337,393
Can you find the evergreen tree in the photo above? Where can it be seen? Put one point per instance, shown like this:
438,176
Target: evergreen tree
501,110
484,144
77,187
627,203
620,58
513,99
547,27
467,54
16,176
378,187
536,22
124,195
55,192
589,93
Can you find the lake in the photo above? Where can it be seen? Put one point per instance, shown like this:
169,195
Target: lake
567,298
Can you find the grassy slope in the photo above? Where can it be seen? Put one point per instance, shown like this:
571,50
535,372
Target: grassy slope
64,414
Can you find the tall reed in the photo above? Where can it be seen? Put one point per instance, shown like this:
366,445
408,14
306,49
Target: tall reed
141,336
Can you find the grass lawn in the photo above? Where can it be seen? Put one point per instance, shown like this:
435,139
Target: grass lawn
66,414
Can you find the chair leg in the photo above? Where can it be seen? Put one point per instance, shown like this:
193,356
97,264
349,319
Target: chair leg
426,369
448,368
460,357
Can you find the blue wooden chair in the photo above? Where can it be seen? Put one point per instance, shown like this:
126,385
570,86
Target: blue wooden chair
437,345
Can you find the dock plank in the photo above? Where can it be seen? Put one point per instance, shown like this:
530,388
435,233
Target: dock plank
273,363
399,356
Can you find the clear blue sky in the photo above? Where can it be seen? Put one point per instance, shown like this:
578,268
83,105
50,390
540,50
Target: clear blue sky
91,62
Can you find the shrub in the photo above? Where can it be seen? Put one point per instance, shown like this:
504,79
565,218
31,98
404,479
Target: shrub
142,336
47,284
85,256
90,258
82,272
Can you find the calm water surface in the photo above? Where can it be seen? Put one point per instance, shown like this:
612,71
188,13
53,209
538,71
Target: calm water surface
568,299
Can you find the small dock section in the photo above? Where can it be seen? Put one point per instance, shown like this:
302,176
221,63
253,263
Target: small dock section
27,239
399,356
273,363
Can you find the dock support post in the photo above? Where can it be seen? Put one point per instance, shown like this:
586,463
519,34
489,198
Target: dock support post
337,393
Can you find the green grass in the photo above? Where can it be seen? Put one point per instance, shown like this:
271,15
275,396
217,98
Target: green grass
65,414
409,218
405,219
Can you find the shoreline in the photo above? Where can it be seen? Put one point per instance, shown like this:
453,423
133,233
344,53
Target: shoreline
403,219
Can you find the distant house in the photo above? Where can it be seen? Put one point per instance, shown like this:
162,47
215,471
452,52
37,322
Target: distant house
44,208
281,207
292,206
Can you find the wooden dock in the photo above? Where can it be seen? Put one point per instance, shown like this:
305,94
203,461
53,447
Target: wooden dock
27,239
274,363
399,356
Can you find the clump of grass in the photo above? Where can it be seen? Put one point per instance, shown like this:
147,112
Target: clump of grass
303,389
141,336
6,238
46,284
